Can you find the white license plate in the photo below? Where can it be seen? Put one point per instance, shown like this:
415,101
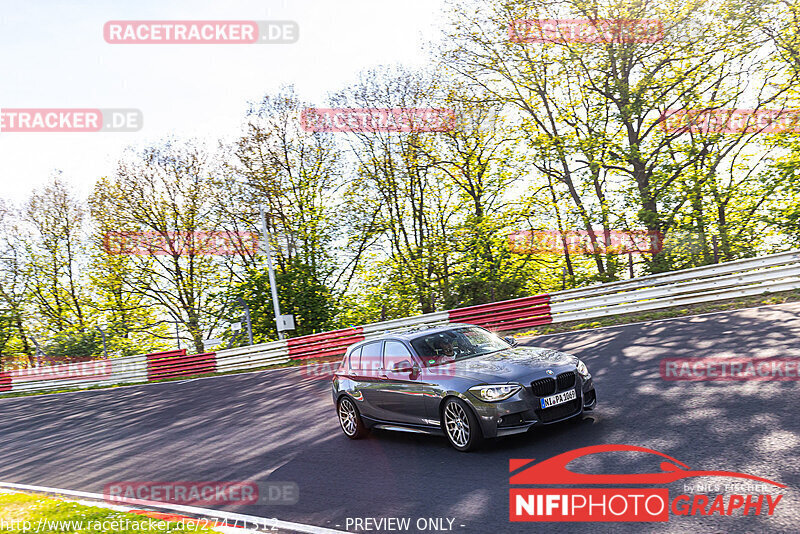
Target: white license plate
558,398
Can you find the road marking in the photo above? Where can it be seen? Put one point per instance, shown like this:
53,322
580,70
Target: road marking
214,514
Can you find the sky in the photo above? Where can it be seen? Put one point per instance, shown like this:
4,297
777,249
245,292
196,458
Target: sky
53,55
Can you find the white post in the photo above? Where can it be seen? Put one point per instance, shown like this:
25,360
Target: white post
105,348
272,285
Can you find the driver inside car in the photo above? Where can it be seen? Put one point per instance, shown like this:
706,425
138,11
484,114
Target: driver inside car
444,352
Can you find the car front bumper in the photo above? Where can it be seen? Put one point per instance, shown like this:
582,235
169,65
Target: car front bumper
522,412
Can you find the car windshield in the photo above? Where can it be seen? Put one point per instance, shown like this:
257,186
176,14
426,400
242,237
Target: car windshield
456,344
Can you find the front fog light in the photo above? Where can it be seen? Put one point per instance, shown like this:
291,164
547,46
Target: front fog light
495,392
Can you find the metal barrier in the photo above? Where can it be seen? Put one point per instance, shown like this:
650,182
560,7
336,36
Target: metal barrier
174,364
5,382
736,279
741,278
506,315
116,371
324,345
253,356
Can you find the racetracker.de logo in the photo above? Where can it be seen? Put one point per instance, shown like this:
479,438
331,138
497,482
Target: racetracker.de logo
730,369
371,120
326,370
201,493
622,504
580,242
201,32
599,31
70,120
728,121
89,370
152,243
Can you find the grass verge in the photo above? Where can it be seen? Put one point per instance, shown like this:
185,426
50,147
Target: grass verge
26,513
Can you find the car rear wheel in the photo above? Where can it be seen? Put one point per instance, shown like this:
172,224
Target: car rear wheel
350,420
461,426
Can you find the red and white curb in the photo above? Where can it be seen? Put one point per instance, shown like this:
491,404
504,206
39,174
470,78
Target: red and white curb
175,510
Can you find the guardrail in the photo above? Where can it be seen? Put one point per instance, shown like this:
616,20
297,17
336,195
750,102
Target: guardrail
174,364
5,382
506,315
741,278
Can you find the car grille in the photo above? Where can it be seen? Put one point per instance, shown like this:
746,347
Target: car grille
566,380
559,412
543,387
547,386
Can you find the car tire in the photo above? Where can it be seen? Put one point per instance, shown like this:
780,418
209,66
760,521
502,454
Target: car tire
460,425
350,419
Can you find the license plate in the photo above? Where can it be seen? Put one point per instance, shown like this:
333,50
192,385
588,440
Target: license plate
558,398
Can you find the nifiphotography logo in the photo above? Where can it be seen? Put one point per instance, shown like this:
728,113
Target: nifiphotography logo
756,497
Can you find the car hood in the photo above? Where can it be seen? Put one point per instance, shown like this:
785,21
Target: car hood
515,364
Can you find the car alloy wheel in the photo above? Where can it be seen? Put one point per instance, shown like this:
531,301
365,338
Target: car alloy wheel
461,426
352,426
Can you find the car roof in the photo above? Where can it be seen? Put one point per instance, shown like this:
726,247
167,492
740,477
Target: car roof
418,331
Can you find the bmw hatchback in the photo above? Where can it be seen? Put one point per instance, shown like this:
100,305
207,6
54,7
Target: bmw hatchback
460,381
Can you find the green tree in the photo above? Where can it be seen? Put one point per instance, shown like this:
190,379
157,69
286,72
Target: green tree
594,112
55,257
398,199
300,294
14,289
166,194
294,174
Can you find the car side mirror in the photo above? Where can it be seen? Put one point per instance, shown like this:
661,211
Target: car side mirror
403,366
511,341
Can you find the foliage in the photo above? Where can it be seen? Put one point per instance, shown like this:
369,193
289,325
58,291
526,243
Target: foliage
300,294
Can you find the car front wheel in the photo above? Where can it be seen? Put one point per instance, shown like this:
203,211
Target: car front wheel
350,420
461,426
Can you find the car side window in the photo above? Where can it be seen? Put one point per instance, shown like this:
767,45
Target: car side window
355,359
394,352
371,357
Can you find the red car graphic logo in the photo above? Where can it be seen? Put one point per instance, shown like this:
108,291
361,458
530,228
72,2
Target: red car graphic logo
554,470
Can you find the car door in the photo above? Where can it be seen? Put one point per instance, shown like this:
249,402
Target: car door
365,371
402,393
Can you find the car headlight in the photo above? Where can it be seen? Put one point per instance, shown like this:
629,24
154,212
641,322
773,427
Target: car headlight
582,370
495,392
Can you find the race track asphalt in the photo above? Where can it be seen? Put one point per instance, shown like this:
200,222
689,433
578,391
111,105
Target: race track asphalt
280,426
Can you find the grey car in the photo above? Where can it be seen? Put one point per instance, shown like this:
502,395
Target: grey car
458,380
